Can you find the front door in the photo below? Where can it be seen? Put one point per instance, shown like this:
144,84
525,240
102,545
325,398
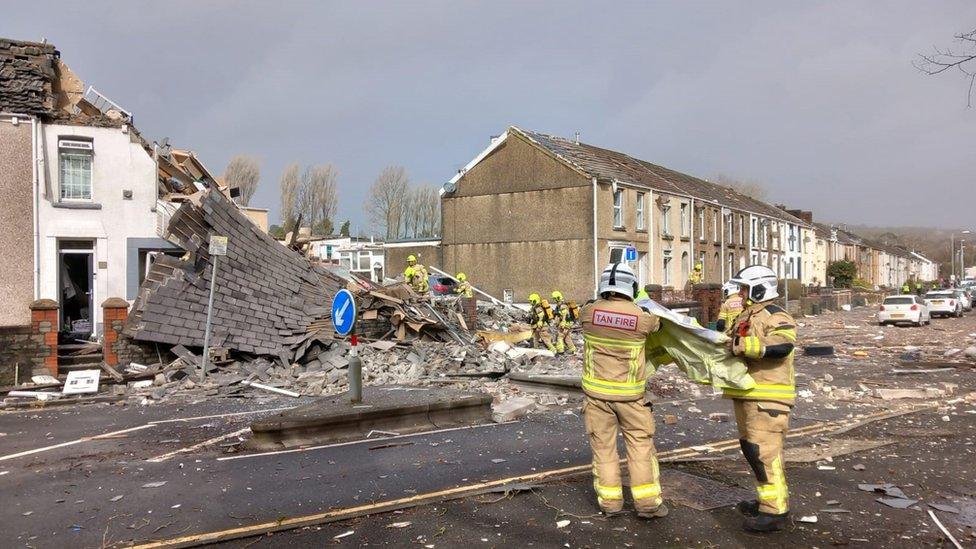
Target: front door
76,287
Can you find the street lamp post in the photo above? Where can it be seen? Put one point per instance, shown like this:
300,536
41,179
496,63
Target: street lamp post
952,248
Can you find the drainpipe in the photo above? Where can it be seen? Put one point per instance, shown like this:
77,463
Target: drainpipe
721,247
35,179
596,255
691,237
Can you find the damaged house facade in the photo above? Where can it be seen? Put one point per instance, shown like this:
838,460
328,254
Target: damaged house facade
84,185
569,208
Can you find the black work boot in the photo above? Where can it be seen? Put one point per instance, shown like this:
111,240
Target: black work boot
658,512
749,507
766,522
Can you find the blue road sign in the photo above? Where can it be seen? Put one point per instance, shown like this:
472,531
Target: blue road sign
631,254
343,312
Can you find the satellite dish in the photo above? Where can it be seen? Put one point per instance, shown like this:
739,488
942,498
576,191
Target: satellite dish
450,187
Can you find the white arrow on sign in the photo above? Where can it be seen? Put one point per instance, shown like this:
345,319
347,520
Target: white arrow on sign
342,310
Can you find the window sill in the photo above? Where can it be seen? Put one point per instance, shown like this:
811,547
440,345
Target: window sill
77,205
621,229
667,237
641,230
685,239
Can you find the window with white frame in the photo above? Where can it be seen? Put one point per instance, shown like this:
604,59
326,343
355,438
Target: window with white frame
667,268
730,228
731,267
685,222
715,236
792,242
701,224
618,208
742,230
666,220
754,232
75,169
640,212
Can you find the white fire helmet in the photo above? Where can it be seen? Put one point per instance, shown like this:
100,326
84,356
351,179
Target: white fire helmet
760,281
618,278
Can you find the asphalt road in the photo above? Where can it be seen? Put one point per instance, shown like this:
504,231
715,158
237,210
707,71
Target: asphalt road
90,492
65,495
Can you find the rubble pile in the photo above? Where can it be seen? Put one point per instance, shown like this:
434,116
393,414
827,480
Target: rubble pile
266,299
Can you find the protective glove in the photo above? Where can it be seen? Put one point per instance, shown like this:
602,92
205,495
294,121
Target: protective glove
748,347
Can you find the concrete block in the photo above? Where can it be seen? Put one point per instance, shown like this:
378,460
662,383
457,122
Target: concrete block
512,409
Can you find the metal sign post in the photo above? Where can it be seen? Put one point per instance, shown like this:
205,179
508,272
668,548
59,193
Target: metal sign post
218,247
344,321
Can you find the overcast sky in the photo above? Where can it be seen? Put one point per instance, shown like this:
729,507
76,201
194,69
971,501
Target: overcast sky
817,100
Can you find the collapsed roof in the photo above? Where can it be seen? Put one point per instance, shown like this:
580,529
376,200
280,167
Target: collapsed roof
268,298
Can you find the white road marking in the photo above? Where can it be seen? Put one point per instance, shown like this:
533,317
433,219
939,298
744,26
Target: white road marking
73,442
164,457
131,429
185,419
352,442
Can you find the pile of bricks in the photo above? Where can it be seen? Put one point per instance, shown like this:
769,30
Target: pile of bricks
267,297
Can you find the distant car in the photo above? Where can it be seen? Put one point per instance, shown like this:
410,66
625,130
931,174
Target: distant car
898,309
943,303
966,297
442,285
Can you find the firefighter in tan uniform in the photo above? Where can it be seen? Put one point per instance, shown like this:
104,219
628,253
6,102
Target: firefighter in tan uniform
540,317
730,308
614,332
764,335
566,312
416,276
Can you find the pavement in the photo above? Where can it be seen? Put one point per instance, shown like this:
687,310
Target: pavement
92,477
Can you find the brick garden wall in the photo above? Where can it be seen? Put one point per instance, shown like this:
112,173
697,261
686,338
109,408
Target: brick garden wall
17,347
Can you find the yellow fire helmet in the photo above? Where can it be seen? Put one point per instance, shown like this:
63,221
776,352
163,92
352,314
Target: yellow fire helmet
411,259
461,277
556,295
534,298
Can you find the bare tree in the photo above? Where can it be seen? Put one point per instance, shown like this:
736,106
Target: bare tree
752,189
384,205
290,188
243,173
942,59
428,206
318,197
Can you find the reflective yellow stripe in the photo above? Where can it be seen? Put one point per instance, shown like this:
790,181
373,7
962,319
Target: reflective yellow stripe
645,491
612,342
788,333
609,492
761,391
613,387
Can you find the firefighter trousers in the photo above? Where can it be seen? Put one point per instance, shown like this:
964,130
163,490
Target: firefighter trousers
540,333
636,420
762,431
564,339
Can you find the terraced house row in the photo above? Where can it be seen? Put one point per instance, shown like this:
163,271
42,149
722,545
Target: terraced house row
538,211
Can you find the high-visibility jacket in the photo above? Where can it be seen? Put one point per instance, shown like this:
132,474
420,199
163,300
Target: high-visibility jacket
768,335
463,289
614,334
729,310
696,276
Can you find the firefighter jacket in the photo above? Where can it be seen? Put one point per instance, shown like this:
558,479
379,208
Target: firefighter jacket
614,335
728,312
463,289
764,335
541,314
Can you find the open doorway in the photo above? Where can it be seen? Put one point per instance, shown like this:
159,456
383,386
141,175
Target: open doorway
76,285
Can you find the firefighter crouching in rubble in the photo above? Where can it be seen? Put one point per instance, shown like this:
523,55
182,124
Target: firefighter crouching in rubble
416,276
730,308
540,317
614,334
463,288
567,313
764,335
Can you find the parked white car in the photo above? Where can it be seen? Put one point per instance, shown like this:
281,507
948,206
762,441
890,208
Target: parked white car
943,303
966,297
898,309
